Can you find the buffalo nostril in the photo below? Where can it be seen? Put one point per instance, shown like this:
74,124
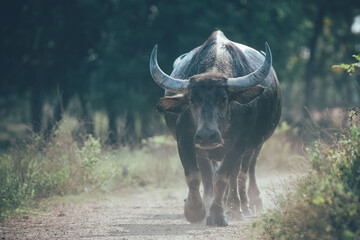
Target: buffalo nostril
197,138
207,137
213,136
203,136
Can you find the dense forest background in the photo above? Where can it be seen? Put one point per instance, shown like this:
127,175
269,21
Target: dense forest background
89,58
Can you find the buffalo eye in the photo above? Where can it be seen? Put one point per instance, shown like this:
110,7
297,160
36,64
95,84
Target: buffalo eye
223,100
192,101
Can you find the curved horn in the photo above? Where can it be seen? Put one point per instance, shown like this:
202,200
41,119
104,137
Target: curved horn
253,78
162,79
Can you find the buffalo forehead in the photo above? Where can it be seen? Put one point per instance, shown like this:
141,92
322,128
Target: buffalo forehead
209,91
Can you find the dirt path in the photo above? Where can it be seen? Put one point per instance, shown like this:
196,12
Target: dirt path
156,214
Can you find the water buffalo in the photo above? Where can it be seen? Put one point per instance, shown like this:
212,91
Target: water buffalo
222,101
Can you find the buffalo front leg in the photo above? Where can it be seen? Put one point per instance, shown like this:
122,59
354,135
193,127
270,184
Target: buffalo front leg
217,216
194,208
207,169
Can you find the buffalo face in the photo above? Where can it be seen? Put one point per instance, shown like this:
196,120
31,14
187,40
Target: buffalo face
208,102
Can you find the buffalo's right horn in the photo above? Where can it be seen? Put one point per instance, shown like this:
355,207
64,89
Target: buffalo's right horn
162,79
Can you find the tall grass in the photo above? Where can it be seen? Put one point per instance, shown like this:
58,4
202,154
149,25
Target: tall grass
69,162
283,151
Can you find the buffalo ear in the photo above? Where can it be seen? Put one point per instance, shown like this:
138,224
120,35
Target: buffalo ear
248,95
174,104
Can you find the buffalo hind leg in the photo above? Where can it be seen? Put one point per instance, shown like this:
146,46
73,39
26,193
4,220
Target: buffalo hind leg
232,199
246,158
243,196
253,191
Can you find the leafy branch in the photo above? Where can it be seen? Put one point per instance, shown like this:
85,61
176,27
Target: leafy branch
350,68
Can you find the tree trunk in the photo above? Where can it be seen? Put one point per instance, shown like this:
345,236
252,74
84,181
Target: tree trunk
113,135
61,102
309,74
130,133
87,118
36,110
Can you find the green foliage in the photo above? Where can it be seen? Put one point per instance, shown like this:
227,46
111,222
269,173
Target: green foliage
350,68
326,204
37,168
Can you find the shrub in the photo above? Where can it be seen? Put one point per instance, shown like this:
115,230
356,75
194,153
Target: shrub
326,204
37,168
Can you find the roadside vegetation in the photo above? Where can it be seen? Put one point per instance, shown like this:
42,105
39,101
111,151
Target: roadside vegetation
68,162
325,203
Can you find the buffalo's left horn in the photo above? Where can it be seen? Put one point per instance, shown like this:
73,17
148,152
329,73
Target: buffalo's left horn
162,79
253,78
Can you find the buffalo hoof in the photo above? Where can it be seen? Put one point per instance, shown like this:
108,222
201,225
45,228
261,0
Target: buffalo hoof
219,221
194,213
256,206
247,211
216,217
236,215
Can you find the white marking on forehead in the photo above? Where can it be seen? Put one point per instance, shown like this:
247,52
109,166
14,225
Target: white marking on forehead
221,41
